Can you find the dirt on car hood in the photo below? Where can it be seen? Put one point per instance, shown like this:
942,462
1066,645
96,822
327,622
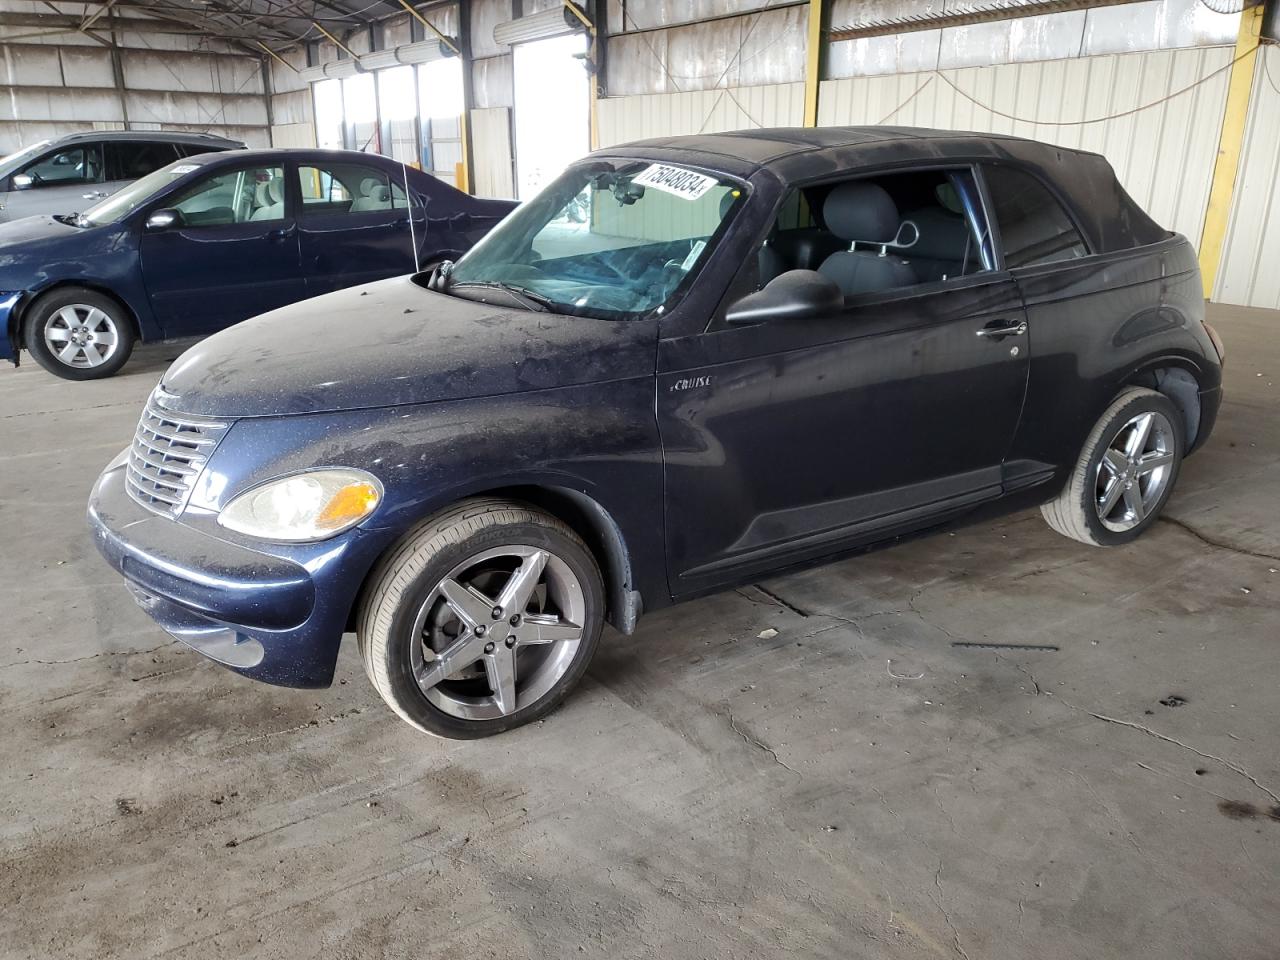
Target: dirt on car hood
393,343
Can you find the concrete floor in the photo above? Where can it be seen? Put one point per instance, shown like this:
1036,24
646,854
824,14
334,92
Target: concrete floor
855,786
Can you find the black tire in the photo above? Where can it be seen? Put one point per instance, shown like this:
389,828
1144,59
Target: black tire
1077,511
409,574
48,317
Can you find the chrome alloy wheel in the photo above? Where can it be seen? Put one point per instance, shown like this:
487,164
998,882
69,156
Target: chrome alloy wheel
80,335
498,632
1134,471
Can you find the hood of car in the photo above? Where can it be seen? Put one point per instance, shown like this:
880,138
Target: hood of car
15,235
37,250
393,343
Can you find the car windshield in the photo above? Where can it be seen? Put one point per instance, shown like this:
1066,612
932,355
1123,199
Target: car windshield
18,156
125,201
611,239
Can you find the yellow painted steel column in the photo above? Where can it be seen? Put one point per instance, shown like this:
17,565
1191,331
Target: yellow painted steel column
1230,143
813,63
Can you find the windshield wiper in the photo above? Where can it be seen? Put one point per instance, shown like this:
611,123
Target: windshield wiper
73,219
526,298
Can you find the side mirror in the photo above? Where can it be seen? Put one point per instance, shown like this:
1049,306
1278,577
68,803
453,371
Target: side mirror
162,220
23,181
794,295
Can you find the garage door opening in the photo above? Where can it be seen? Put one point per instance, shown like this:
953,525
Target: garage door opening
553,121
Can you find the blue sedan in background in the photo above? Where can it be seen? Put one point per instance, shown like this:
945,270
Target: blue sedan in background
213,239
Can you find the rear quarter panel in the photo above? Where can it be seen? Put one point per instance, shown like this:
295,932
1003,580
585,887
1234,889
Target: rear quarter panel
1098,323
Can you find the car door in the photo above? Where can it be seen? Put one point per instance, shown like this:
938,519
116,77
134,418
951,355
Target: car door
231,253
129,160
353,225
56,182
789,440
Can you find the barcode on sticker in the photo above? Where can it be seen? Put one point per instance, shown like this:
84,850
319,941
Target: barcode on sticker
675,180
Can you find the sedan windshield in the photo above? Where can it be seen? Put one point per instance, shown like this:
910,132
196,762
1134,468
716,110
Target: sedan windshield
611,239
130,198
14,159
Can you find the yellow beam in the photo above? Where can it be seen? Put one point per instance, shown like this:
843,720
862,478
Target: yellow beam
1230,143
429,25
275,56
342,46
593,64
813,63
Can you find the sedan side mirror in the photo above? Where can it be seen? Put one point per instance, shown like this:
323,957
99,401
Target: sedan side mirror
23,181
794,295
162,220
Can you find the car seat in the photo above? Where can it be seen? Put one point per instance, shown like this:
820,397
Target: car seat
374,195
864,213
268,199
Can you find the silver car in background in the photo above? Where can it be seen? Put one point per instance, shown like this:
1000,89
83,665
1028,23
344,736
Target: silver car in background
76,171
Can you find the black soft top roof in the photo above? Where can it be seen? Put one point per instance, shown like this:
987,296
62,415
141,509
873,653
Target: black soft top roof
1084,181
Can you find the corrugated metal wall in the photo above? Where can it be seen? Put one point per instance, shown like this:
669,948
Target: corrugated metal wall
1248,274
59,83
1162,153
703,111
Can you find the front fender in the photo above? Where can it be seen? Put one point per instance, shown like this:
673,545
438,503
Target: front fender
597,441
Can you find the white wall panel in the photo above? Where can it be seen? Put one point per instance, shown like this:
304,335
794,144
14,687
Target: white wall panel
1163,154
293,135
622,119
491,153
1248,274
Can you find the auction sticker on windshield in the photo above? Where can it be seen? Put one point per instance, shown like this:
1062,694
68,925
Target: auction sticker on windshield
675,180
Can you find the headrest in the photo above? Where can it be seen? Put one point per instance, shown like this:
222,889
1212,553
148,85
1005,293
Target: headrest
861,212
266,192
368,185
275,190
380,193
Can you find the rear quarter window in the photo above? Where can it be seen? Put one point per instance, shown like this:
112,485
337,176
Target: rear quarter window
1034,227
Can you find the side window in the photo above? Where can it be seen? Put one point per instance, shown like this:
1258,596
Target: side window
79,164
351,188
882,232
233,196
1034,228
130,161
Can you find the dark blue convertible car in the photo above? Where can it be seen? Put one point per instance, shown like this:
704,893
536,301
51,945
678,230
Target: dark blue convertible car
213,239
685,365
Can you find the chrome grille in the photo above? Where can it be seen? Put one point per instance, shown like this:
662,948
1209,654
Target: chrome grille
169,451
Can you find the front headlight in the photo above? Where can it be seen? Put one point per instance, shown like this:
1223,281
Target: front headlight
305,506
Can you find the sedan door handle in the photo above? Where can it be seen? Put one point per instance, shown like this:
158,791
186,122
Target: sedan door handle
280,234
1003,329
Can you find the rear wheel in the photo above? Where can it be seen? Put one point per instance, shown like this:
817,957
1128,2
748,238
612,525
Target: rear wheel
1125,473
79,334
482,619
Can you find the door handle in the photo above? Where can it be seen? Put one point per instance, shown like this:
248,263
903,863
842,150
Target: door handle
281,233
1001,329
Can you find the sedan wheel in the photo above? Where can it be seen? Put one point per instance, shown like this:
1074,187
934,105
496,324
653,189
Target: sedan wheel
481,619
78,334
81,335
1125,472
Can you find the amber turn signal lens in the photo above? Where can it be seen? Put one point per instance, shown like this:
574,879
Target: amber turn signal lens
353,502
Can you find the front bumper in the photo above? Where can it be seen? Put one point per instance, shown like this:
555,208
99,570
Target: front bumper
269,617
9,329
